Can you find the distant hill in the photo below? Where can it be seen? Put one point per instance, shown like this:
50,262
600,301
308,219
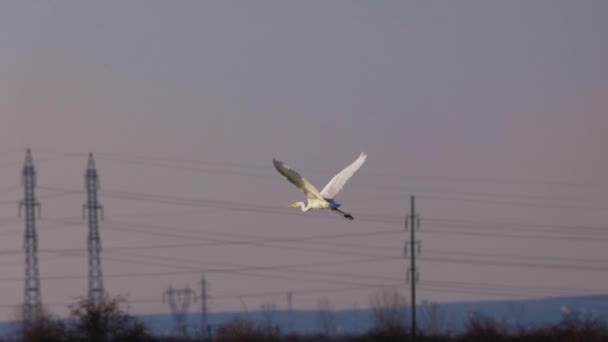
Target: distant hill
524,312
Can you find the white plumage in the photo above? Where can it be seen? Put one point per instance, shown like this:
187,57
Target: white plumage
323,199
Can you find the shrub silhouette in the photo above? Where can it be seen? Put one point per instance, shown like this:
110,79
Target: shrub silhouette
46,329
105,321
479,328
243,330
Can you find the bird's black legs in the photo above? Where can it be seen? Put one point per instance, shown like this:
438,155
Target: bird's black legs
346,215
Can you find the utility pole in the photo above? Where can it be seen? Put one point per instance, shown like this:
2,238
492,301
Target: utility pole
32,304
290,310
268,310
90,210
204,323
413,221
356,318
179,302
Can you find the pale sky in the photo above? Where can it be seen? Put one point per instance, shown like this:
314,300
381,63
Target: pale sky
493,114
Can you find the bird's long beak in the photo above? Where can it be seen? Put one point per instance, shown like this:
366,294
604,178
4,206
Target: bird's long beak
293,205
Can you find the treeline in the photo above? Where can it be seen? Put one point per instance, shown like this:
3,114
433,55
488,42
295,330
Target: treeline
106,321
572,328
101,321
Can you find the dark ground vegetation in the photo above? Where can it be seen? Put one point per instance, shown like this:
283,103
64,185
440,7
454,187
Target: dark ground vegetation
107,322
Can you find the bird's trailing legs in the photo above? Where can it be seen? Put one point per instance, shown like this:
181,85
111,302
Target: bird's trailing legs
346,215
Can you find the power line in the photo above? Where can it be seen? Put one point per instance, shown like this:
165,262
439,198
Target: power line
259,241
231,168
465,228
286,268
231,205
515,289
175,162
427,286
511,202
485,256
525,227
522,228
514,236
182,245
302,292
464,261
535,265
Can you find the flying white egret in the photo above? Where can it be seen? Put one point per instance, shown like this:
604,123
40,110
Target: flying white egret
325,198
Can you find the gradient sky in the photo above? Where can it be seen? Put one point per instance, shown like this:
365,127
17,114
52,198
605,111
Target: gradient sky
493,114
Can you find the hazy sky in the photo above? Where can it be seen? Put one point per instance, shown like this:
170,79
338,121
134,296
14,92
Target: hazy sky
493,114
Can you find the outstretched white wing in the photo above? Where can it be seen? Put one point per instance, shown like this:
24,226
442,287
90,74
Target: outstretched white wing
337,183
297,180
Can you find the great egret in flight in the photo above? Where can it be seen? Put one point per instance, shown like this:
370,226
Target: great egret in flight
325,198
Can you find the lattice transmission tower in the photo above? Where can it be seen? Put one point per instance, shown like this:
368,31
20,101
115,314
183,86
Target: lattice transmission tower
93,211
32,303
179,301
